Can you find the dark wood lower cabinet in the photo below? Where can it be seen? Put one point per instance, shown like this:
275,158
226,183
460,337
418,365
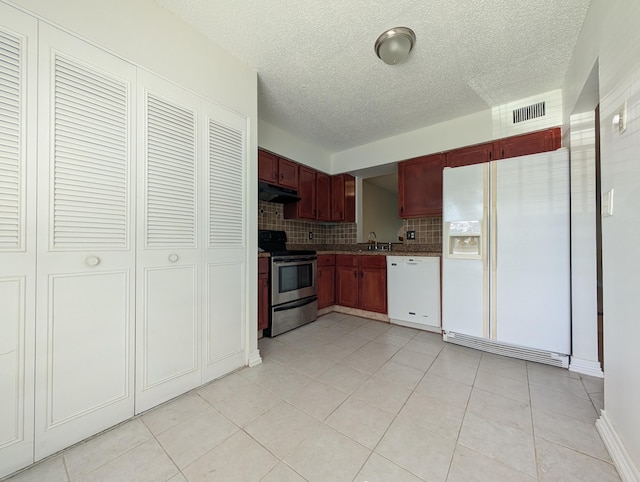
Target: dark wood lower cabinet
263,293
347,280
361,282
326,280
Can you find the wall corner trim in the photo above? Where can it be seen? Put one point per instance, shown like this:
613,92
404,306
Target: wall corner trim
586,367
254,359
626,469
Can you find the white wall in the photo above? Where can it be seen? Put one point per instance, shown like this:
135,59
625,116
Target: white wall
276,140
611,36
379,213
142,32
464,131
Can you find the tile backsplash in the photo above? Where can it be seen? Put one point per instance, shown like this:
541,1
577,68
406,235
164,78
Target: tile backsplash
428,230
270,216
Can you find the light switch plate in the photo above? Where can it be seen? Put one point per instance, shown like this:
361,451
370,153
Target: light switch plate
622,124
607,204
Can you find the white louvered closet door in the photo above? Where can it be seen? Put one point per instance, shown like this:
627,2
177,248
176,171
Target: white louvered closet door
224,172
169,255
86,256
18,66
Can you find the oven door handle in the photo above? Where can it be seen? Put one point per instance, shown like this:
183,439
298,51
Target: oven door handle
294,261
296,304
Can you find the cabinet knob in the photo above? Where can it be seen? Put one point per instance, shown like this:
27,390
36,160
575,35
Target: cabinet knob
92,261
173,257
355,274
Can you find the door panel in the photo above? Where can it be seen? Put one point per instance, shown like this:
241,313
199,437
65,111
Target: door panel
171,326
167,348
465,282
224,329
18,94
86,259
532,295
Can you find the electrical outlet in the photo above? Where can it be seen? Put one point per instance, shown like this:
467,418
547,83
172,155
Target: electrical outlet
310,234
411,235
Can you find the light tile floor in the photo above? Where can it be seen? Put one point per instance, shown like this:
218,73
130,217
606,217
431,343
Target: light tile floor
348,399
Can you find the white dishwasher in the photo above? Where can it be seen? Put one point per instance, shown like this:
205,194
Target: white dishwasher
413,289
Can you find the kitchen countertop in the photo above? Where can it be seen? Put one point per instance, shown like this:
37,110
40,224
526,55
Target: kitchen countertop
382,253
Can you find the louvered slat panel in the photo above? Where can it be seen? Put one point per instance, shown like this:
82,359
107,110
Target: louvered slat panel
226,186
171,175
91,160
11,151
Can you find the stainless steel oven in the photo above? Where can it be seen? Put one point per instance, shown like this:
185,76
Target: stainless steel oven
293,278
294,292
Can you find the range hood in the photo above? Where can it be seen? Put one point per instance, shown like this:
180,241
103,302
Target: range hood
276,194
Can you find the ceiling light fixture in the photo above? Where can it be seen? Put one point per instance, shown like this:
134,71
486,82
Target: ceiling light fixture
394,45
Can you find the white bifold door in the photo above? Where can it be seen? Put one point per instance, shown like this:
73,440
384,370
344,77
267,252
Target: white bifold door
224,219
169,254
18,63
86,252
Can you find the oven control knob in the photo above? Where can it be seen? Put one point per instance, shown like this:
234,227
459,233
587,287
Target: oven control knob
173,257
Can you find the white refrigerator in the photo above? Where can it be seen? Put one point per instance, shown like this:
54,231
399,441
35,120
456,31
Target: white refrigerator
505,271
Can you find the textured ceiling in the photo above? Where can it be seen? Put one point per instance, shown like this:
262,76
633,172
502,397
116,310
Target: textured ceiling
319,77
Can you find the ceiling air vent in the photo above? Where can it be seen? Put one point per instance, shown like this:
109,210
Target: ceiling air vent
529,112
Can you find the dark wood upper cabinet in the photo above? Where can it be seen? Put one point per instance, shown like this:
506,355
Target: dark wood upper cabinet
420,186
471,155
531,143
267,167
343,198
287,173
323,197
306,207
276,170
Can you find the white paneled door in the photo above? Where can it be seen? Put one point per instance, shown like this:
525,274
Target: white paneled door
86,256
224,176
169,256
18,64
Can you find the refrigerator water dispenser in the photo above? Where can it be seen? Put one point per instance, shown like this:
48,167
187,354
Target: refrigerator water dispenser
464,239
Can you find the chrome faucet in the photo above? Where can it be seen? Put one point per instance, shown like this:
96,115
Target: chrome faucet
372,238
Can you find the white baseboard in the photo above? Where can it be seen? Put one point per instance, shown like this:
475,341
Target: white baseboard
586,367
255,358
626,469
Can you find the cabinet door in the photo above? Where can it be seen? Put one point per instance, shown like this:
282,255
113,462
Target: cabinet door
307,191
168,255
263,293
287,173
470,155
225,323
86,257
267,167
326,286
373,289
532,143
343,195
18,94
373,283
347,276
323,204
420,186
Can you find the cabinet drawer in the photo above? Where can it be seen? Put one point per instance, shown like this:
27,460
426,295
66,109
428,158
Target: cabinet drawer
326,260
373,261
349,260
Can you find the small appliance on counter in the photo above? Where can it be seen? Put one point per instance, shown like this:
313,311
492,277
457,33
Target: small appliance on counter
294,291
